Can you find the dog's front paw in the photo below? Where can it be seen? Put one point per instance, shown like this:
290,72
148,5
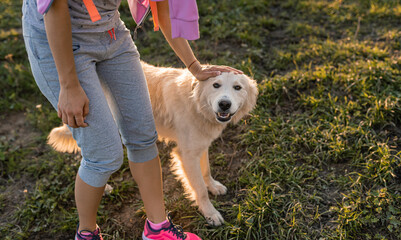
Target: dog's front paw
214,218
216,188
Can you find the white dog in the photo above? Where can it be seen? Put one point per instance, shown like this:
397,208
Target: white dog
191,113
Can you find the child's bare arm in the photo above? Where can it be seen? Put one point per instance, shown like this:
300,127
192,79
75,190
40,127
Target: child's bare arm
183,50
73,103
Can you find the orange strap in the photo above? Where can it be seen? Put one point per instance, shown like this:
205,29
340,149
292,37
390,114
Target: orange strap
112,34
153,7
93,13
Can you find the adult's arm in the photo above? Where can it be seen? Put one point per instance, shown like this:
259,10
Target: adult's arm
73,103
183,50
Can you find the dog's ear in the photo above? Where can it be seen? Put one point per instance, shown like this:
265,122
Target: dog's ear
195,90
194,83
250,102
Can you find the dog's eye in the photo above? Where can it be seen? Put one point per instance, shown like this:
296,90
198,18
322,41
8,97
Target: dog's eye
216,85
237,87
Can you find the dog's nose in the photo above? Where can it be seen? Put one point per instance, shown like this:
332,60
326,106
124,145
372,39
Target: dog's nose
224,105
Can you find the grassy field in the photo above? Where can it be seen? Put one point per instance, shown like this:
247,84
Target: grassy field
319,158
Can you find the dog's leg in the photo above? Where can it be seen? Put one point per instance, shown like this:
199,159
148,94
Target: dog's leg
215,187
190,161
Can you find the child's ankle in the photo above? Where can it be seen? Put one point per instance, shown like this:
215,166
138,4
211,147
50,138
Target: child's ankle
90,228
157,226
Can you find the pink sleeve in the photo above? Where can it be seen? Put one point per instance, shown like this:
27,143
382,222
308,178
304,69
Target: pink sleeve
184,19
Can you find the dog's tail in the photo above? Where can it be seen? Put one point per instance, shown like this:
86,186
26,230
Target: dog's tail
61,140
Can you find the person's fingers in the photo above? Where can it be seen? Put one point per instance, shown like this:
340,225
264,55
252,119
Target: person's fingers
71,121
59,113
215,73
225,69
217,68
86,109
208,74
235,70
64,118
212,72
80,121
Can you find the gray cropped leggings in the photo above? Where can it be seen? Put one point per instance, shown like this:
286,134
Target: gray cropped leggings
111,75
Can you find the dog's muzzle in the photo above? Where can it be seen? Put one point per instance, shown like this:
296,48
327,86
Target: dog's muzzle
224,105
224,116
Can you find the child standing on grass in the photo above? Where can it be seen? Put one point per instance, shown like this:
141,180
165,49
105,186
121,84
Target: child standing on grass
91,73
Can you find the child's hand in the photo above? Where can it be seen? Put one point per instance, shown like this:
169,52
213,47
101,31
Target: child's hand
73,106
204,72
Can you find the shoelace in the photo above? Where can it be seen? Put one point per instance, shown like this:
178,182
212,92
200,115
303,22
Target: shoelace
176,229
92,235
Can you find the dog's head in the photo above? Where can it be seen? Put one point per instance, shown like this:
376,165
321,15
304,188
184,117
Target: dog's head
227,97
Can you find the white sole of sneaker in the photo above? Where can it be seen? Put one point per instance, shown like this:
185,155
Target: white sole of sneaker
144,237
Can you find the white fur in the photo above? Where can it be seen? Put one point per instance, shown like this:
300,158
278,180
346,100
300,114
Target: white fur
185,112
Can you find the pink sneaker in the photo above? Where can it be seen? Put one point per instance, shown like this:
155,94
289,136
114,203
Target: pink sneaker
167,232
88,235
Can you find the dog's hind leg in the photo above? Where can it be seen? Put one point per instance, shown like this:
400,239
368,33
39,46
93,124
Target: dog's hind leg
190,166
215,187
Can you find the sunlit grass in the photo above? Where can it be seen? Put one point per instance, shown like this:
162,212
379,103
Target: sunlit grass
319,157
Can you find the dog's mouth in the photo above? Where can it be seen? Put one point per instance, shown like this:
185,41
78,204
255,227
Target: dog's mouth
223,116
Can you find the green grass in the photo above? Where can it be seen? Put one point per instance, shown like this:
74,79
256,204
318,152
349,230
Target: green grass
319,158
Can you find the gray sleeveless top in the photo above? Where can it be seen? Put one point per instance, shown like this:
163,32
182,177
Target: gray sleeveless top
80,20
